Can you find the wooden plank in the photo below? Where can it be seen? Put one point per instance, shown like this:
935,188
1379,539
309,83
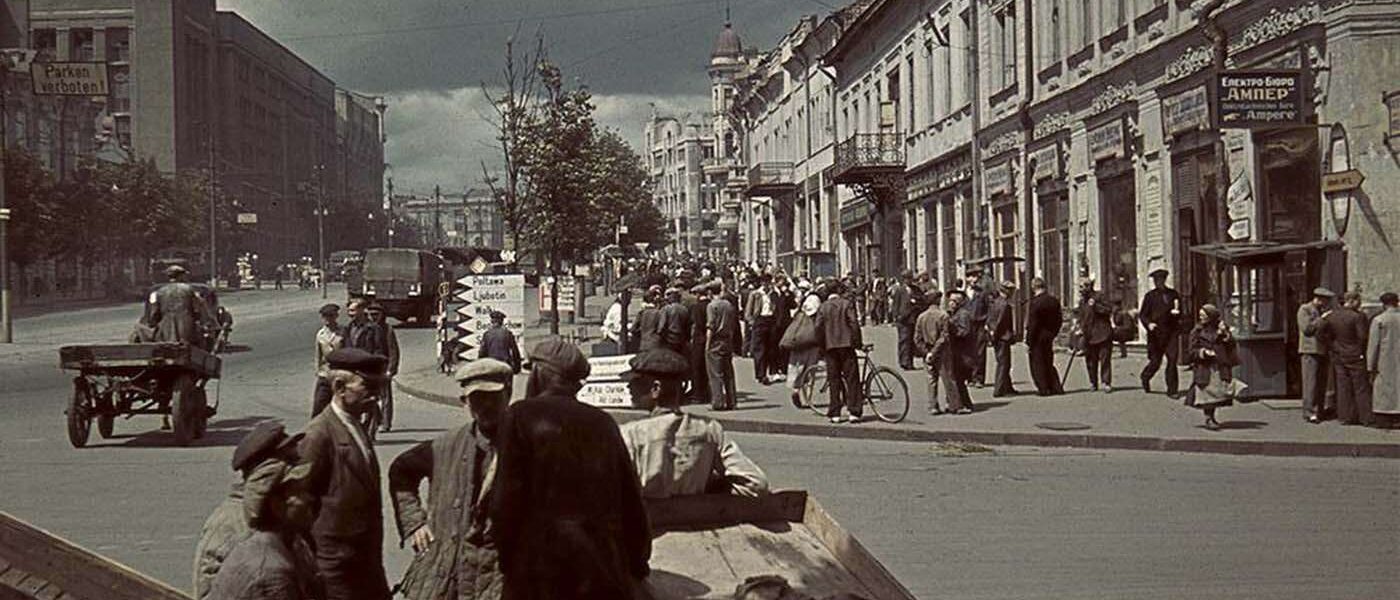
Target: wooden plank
852,555
79,572
719,510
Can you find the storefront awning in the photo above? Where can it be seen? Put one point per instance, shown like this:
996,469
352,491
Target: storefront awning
1253,251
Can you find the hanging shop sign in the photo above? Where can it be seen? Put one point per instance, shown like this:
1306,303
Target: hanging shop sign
1187,111
997,178
855,214
1106,141
1046,162
1258,98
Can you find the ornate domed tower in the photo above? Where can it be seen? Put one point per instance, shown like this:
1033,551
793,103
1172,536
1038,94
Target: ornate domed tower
728,62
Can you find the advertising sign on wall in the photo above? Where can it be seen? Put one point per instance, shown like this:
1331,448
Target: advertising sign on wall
1249,99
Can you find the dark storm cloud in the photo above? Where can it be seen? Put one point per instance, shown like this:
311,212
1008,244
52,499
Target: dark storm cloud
430,57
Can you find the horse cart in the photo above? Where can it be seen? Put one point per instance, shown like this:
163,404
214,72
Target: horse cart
123,380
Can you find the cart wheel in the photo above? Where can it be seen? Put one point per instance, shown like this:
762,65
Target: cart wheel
201,413
186,405
80,413
106,416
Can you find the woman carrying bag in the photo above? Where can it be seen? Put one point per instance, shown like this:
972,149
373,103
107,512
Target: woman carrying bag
1212,352
802,341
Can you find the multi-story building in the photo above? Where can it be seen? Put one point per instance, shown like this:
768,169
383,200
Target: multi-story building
676,149
1086,140
484,226
725,177
467,220
785,106
194,88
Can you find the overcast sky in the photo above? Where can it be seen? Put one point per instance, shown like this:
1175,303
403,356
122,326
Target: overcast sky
430,57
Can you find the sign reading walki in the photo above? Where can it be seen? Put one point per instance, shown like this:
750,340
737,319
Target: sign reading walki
1250,99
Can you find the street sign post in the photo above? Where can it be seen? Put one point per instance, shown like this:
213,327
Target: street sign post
69,78
1342,181
604,387
473,299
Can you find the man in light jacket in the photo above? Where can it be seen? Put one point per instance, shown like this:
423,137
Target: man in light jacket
1318,399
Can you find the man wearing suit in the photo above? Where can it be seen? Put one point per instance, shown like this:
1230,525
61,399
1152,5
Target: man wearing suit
1001,330
1316,368
699,376
902,309
839,327
1043,320
978,303
759,311
1344,332
343,481
1096,328
1160,313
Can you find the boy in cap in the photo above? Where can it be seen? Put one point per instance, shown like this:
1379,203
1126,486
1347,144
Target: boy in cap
272,560
265,450
343,480
566,505
499,343
676,453
454,553
328,339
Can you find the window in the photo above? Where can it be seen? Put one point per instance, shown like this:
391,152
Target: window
1054,244
1007,22
1053,41
913,98
911,238
1086,23
969,60
948,245
945,83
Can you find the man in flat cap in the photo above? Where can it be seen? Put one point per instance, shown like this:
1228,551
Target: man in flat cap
675,322
978,302
273,560
265,450
1344,331
499,343
1001,331
1095,327
760,312
1318,396
1161,313
454,548
566,506
343,480
328,339
646,330
176,312
699,391
721,344
676,453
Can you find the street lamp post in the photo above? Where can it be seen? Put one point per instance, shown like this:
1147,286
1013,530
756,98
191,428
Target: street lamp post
213,212
321,227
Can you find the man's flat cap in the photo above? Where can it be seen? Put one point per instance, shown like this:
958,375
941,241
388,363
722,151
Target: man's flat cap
174,269
483,375
973,270
1158,272
264,439
330,309
560,356
497,315
1323,292
659,362
358,361
1008,285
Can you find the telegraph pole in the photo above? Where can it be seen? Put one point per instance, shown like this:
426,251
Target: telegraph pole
389,207
213,213
321,227
437,216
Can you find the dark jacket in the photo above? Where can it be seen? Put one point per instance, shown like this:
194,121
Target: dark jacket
1157,308
999,320
1044,317
1344,333
177,312
901,308
698,317
675,326
349,518
499,343
647,328
1219,361
567,506
962,343
1096,319
722,327
461,563
838,324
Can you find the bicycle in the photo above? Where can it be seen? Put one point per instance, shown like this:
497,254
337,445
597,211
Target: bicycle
884,388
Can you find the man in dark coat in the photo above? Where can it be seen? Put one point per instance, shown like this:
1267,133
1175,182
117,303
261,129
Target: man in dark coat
567,505
499,343
1044,317
839,327
956,363
1345,333
675,322
176,312
1160,313
646,331
454,547
699,377
760,312
721,341
343,481
903,313
1095,315
1002,331
783,304
978,304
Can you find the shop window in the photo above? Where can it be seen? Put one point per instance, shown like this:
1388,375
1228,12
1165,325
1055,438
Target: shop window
949,250
1256,307
1006,237
1289,165
1054,244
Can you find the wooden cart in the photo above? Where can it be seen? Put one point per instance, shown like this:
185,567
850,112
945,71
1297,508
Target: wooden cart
707,546
165,378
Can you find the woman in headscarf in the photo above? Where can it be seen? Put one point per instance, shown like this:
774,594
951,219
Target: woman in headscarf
1212,352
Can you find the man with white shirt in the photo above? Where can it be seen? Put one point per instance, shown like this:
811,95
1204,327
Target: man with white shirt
328,339
343,480
759,312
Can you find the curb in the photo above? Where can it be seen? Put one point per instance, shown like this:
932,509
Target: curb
992,438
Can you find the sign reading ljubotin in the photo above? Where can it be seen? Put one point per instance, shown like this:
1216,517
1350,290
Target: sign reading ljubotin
1254,99
69,78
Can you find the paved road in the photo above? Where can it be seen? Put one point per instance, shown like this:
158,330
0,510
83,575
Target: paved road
1009,524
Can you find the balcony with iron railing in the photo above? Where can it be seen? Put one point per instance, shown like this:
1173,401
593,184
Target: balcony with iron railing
770,178
865,156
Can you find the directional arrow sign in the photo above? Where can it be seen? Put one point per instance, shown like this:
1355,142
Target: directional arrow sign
1342,181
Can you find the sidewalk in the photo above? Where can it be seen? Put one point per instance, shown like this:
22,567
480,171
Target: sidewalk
1126,419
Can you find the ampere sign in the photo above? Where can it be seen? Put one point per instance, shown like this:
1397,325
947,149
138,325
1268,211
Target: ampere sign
1249,99
69,78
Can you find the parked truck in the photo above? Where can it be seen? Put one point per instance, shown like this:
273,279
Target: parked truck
403,280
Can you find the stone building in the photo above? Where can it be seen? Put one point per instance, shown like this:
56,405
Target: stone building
676,150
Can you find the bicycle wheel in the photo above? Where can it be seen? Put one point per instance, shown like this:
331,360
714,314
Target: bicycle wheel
887,394
814,390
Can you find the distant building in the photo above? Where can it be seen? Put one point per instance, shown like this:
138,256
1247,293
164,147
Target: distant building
676,149
471,219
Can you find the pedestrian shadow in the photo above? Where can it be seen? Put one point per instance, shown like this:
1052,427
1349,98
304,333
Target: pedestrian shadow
1240,425
222,432
986,406
741,406
236,349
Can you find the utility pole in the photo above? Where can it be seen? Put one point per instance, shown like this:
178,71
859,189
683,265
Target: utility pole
6,328
389,207
437,216
321,226
213,213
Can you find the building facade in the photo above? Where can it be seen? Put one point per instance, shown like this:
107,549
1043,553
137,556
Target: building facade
466,220
677,149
